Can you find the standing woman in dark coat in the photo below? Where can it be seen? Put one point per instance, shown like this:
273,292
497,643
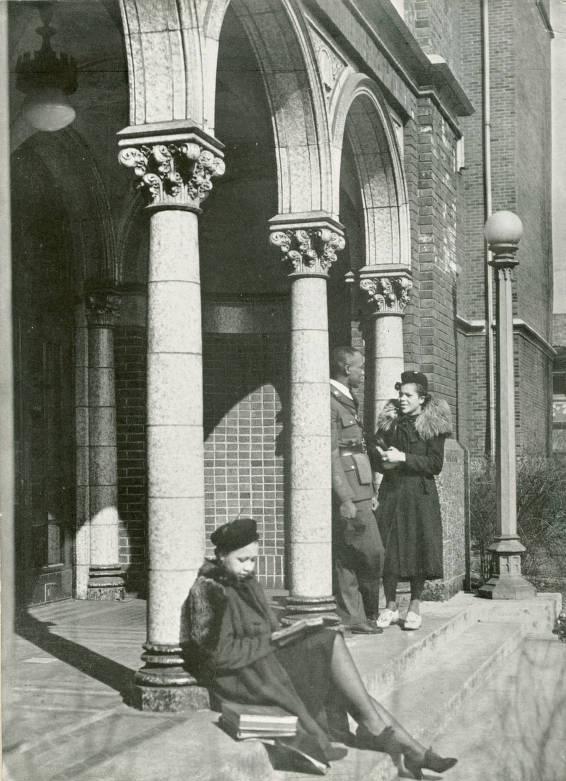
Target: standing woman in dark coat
231,629
410,451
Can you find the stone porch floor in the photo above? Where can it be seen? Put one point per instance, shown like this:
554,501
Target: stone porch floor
66,719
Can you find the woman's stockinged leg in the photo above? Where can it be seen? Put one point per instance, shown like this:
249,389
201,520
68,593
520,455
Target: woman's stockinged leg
417,588
390,589
404,737
378,729
347,679
365,709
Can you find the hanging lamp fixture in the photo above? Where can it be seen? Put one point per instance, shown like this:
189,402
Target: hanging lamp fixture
47,78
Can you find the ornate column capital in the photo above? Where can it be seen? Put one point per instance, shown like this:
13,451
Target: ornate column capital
309,242
174,165
387,292
102,308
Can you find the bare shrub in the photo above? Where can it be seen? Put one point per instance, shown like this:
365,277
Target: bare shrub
541,514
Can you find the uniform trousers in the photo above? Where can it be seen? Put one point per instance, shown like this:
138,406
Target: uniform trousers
358,555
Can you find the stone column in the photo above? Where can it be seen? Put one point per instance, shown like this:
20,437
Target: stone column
174,171
387,298
105,575
309,244
82,507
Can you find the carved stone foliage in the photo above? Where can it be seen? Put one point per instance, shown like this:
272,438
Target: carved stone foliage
173,173
102,308
387,294
308,250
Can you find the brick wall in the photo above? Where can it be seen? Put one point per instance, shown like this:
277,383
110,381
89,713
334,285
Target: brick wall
520,146
130,369
534,398
435,25
559,330
244,382
436,261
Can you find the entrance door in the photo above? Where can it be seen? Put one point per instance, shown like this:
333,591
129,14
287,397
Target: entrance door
44,408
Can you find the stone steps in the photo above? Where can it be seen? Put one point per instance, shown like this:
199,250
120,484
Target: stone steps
426,678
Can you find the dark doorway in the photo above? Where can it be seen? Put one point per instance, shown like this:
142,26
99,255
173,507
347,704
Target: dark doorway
44,386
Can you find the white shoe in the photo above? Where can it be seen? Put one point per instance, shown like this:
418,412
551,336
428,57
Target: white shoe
387,617
413,620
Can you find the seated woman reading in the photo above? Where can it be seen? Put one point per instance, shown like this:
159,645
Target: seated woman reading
231,629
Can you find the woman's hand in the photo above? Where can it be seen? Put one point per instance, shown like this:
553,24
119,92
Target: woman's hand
391,457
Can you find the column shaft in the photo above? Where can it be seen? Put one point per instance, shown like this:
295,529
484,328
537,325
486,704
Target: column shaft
385,361
175,430
82,508
311,487
105,580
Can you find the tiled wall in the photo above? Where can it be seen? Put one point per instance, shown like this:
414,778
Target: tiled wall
244,380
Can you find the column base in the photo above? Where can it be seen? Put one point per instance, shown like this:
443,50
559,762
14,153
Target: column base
163,684
507,587
308,607
106,583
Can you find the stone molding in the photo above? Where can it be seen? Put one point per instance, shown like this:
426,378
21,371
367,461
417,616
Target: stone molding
387,294
102,308
310,247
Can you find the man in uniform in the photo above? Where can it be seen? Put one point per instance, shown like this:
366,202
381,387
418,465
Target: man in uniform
357,548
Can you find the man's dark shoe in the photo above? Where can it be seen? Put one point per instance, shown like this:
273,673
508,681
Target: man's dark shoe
364,629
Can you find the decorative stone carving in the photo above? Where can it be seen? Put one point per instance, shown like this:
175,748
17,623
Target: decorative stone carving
310,251
331,64
177,173
387,294
102,308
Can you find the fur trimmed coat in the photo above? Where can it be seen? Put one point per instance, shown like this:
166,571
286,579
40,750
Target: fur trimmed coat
408,511
229,628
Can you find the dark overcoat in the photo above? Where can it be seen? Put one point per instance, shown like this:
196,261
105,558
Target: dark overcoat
408,512
230,626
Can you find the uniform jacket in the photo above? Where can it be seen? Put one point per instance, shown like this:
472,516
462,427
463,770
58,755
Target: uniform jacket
351,474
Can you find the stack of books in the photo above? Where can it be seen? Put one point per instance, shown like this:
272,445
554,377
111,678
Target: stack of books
257,721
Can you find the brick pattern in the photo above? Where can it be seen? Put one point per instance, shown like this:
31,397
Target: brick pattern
520,116
244,379
559,330
437,258
435,25
533,415
130,369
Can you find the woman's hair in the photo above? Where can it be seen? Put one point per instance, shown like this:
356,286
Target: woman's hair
421,390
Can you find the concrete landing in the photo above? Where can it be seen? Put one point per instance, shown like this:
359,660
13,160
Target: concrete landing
67,719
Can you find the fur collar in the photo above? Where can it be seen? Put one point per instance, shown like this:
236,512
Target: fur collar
435,419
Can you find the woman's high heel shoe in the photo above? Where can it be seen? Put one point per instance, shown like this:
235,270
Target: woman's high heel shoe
391,743
430,761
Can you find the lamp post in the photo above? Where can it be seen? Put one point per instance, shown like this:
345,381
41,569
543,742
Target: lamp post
503,231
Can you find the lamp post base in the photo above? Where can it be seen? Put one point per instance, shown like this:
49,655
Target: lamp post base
507,587
507,581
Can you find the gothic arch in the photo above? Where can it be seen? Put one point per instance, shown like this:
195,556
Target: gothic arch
68,159
362,115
